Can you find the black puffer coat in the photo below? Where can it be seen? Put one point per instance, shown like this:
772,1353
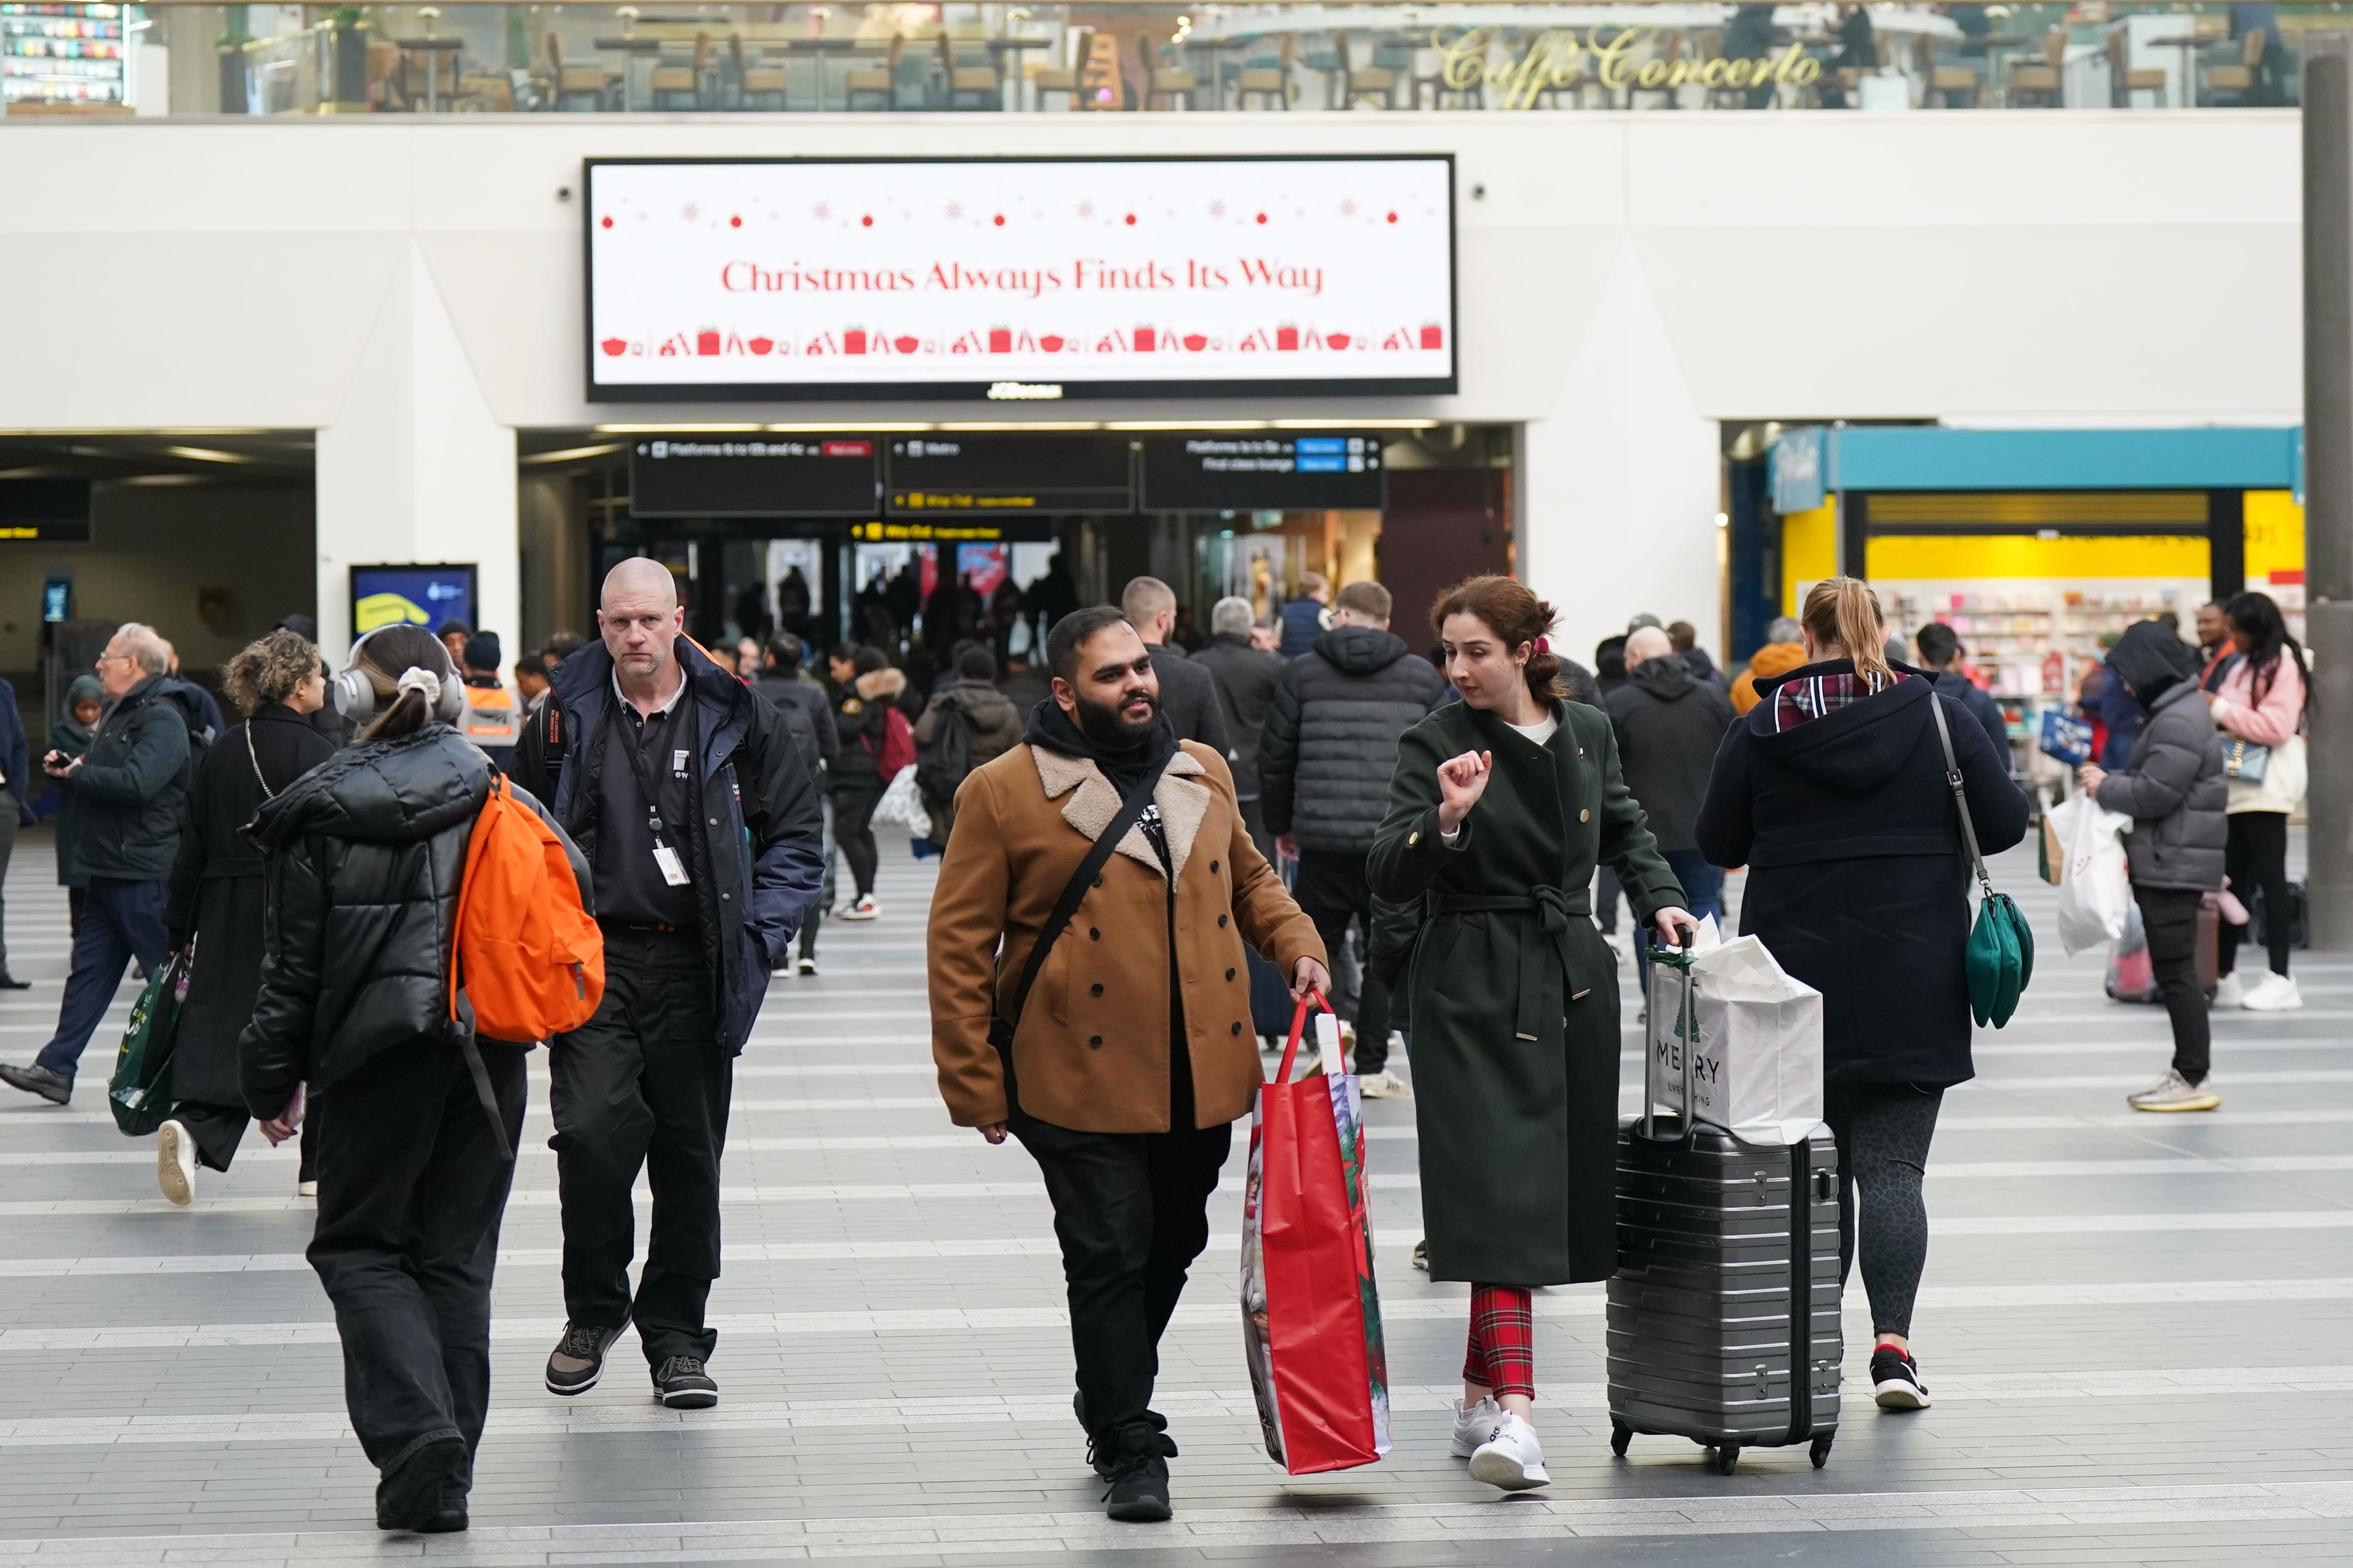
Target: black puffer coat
2172,785
132,781
1331,737
366,855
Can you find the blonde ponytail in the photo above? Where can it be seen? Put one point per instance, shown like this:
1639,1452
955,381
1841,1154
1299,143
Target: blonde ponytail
1844,611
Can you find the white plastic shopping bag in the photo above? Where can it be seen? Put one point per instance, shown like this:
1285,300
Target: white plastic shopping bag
1755,1034
2095,887
902,801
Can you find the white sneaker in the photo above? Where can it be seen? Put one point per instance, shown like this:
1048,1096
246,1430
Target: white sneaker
808,966
1475,1425
175,1164
1383,1085
308,1189
1511,1457
2174,1092
2229,991
863,909
2272,993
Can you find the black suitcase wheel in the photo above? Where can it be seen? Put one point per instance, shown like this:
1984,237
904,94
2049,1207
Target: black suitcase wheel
1725,1461
1820,1451
1621,1437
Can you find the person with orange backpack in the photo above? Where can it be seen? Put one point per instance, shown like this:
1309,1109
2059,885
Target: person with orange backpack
425,924
701,821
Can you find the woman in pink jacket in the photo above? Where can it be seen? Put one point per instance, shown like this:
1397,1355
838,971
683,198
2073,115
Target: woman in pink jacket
2261,702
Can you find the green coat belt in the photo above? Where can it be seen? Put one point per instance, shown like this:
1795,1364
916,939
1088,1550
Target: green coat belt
1514,1003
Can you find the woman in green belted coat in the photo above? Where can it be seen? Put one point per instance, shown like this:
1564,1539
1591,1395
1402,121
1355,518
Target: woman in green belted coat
1501,806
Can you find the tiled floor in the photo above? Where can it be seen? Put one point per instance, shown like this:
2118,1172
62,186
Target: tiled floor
2133,1329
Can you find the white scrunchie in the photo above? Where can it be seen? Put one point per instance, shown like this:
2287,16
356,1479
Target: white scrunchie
415,679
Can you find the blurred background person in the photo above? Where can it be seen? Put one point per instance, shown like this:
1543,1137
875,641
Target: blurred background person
1188,694
1940,655
1303,618
1668,723
68,739
216,911
1246,678
2261,701
1782,652
807,717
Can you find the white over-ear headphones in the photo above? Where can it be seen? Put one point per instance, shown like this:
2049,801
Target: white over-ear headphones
355,694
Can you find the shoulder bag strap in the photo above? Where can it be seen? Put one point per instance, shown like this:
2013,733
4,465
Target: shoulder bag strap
1098,853
1961,796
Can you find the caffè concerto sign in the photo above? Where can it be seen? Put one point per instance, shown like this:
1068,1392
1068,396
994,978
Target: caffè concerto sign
1554,59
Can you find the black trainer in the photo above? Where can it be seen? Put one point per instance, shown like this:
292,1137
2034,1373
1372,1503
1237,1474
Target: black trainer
682,1384
578,1359
1896,1380
1097,1460
1139,1490
425,1492
33,1078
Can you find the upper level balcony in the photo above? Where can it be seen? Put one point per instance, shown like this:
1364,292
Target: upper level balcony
1144,56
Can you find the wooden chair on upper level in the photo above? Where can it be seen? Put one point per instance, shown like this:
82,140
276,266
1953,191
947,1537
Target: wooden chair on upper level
2237,81
2125,79
2037,80
1165,83
760,82
574,80
1268,76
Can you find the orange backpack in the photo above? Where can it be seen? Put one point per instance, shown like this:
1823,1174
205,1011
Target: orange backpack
527,956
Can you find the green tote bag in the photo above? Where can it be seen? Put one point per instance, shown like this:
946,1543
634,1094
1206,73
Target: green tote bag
139,1092
2000,953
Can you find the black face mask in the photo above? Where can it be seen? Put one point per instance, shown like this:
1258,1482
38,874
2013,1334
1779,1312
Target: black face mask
1111,730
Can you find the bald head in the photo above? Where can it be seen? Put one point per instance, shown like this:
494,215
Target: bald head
1150,607
639,619
1644,643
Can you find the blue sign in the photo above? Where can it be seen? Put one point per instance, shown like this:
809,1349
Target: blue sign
419,595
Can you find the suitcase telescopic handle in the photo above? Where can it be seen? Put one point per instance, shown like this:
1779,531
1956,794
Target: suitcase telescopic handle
1679,966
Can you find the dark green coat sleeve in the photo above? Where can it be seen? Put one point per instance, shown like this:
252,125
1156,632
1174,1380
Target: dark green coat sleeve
1407,852
1627,845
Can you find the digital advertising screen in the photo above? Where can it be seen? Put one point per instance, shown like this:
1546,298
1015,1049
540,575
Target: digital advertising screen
1018,279
421,595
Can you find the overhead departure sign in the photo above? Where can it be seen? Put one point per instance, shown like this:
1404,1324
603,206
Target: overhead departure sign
728,476
1018,278
1255,471
962,475
46,512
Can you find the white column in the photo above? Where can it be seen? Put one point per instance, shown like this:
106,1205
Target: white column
415,468
1619,484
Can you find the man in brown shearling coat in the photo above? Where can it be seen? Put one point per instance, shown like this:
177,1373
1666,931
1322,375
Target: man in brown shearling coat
1128,1132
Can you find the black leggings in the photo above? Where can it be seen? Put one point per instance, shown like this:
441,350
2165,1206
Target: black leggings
1882,1132
2255,857
853,828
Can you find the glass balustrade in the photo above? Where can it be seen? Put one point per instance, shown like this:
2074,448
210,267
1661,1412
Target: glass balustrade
1145,57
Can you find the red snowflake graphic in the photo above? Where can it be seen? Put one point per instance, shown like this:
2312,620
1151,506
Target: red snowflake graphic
1086,209
955,209
1347,209
690,212
1216,209
822,211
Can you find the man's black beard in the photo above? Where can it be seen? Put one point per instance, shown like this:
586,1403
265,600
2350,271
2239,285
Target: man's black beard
1109,727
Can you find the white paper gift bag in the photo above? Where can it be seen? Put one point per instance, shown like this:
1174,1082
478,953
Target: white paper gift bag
2095,882
1756,1050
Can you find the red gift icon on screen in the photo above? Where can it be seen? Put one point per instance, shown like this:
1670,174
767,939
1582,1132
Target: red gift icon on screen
1000,341
706,343
1144,339
1433,337
853,341
1286,337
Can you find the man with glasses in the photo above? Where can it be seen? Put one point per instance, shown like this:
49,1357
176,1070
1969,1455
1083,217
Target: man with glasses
126,788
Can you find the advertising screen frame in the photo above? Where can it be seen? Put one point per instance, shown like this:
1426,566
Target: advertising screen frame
473,588
980,389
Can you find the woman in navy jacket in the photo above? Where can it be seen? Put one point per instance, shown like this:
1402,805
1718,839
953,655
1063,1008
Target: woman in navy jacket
1832,792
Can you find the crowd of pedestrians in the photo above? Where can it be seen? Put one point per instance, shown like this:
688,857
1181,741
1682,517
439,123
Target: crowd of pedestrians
1439,844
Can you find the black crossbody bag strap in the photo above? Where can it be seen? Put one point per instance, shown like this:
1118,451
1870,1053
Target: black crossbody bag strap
1099,852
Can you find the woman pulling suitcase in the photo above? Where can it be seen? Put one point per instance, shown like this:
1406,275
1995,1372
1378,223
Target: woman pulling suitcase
366,855
1501,806
1832,792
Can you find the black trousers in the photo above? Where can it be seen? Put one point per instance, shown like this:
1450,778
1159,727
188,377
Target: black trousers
854,801
2254,857
1331,890
2169,916
411,1190
1883,1130
1131,1213
643,1084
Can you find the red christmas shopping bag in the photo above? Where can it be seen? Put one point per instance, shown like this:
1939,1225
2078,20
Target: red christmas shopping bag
1311,1313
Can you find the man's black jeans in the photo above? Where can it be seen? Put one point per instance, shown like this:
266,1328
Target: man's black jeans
2169,915
411,1190
645,1083
1132,1212
1331,888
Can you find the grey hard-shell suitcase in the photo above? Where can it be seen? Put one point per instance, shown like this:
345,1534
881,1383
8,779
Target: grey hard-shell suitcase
1724,1314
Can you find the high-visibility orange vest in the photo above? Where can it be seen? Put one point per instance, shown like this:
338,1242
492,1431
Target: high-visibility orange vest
492,717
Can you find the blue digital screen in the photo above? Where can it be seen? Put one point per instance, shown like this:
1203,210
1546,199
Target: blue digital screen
420,595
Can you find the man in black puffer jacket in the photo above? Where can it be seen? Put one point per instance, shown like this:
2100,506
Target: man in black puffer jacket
1324,763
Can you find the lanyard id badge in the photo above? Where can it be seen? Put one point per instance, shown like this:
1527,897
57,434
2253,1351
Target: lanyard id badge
667,859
